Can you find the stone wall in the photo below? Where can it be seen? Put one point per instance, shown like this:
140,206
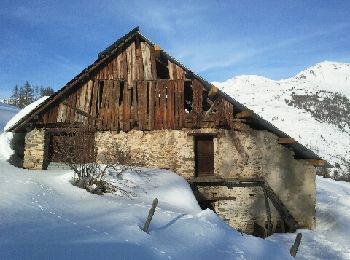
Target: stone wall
239,155
35,150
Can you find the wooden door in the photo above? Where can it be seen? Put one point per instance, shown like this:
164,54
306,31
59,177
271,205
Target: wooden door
204,156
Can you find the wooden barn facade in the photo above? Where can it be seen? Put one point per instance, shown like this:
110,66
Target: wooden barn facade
252,174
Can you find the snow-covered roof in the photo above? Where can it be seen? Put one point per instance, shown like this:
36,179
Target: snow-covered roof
24,112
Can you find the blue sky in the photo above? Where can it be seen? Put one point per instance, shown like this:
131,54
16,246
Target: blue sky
49,42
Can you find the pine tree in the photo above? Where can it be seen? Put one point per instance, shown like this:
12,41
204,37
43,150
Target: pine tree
46,91
15,96
26,95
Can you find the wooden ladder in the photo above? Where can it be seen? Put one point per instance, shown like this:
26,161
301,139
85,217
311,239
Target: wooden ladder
286,216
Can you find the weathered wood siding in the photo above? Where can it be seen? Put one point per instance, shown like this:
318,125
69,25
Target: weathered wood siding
128,93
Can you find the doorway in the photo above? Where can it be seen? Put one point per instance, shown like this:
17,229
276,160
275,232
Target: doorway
204,156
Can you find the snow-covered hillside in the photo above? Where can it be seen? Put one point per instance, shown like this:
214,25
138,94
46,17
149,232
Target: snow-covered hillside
313,107
6,113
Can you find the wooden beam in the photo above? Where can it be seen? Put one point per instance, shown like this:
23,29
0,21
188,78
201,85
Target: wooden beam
315,162
81,112
239,126
245,114
213,91
157,51
202,134
286,140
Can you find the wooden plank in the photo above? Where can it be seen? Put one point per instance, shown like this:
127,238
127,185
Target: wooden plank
129,65
140,104
169,105
153,62
88,96
163,104
73,104
158,122
144,105
134,68
213,91
245,114
119,66
176,105
77,104
286,216
157,51
53,117
81,112
315,162
285,140
228,113
146,59
126,109
139,61
62,111
180,73
197,101
110,99
172,70
239,126
93,101
125,67
151,104
116,106
102,103
181,87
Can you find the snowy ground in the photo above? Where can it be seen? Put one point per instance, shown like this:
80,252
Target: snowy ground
42,216
331,239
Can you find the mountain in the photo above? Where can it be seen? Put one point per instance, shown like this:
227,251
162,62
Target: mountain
313,107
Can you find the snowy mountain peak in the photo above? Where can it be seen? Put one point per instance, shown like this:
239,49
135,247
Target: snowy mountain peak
335,75
313,107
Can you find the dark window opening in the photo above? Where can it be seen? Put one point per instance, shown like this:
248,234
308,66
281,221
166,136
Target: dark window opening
188,92
121,92
132,95
205,103
99,95
148,90
162,68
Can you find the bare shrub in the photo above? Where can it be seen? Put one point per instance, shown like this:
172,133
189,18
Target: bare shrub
76,148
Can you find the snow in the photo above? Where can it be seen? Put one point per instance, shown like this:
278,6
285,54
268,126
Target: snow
45,216
23,112
6,113
331,239
267,98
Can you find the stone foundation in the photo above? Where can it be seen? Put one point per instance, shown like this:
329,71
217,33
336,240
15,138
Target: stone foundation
35,150
238,155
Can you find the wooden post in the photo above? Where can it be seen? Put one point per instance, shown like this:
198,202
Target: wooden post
150,215
295,247
268,214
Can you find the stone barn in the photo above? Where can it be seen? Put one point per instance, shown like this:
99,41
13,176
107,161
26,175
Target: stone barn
257,178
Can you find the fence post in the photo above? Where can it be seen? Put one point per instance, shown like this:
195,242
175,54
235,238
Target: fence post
150,215
295,246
